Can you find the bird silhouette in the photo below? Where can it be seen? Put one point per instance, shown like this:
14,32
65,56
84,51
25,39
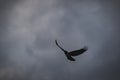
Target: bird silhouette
72,53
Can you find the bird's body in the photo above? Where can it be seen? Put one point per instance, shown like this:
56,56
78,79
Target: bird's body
72,53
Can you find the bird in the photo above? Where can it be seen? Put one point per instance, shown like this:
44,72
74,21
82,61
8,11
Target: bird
72,53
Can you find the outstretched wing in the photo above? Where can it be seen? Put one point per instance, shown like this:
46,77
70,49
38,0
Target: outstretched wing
59,46
78,52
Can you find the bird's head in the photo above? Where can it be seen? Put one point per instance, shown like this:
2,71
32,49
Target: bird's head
66,52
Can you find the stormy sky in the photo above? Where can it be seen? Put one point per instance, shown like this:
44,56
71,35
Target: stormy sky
29,28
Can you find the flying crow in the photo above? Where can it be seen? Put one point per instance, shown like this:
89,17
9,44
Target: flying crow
72,53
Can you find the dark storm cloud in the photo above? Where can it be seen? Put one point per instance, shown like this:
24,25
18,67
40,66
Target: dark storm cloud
31,26
5,9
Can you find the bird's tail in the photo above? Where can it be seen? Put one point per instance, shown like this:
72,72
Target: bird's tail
70,58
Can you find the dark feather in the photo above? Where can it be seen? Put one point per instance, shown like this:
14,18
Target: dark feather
70,58
59,46
78,52
72,53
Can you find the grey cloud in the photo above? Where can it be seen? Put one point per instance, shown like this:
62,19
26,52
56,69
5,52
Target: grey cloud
28,51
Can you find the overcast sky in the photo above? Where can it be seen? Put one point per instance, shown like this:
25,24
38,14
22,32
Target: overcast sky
28,29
